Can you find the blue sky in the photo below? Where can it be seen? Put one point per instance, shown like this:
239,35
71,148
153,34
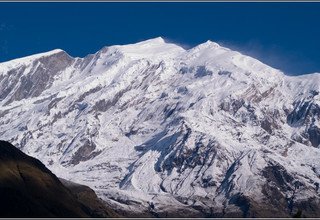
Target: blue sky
283,35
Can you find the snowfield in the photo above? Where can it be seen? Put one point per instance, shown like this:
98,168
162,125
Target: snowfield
162,131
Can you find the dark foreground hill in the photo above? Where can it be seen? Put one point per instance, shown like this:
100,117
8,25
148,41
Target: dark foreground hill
29,189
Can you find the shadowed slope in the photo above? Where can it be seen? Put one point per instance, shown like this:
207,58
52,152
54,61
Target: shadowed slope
29,189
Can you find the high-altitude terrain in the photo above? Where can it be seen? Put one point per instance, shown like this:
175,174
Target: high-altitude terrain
158,130
28,189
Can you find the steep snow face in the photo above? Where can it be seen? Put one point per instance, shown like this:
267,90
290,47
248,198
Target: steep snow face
155,128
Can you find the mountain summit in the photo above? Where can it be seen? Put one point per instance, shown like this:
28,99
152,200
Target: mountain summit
162,131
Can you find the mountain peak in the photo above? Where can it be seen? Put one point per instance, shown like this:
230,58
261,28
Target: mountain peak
208,44
155,47
45,54
211,43
157,40
34,57
48,54
207,47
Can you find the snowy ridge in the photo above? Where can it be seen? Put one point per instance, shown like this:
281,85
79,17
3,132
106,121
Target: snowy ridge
154,128
155,48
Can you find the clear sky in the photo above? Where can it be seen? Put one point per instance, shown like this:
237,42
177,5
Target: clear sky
283,35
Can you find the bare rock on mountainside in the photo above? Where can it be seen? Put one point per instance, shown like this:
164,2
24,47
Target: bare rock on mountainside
95,206
29,189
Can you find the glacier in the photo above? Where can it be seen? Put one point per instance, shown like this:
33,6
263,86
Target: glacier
157,130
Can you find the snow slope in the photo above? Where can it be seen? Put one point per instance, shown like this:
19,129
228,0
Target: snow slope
158,129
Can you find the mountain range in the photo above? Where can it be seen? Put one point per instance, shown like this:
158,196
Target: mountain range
160,131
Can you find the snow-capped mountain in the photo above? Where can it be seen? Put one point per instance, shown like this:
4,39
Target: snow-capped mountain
159,130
